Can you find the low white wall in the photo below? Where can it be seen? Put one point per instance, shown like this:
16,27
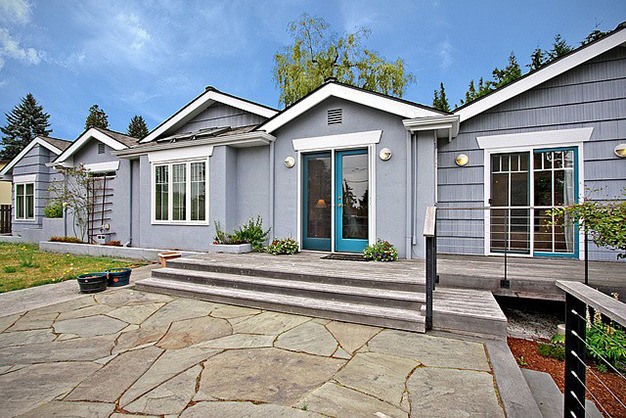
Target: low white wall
147,254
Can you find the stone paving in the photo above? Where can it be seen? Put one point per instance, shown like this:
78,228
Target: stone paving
127,352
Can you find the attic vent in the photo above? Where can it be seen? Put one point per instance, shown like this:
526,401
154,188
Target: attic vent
334,116
100,148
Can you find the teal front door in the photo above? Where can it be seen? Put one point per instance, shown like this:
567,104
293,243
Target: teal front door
351,200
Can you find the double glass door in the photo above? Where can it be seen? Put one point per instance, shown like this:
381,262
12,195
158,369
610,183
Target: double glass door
344,215
525,189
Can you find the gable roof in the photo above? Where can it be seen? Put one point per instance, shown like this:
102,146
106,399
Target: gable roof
332,88
206,99
54,145
545,73
116,140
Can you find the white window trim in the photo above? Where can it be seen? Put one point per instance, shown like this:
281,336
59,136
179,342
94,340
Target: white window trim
325,143
33,182
540,144
371,153
181,154
539,139
170,202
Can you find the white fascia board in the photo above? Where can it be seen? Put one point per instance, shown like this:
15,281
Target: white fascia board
188,153
208,96
91,133
30,146
535,139
337,141
102,167
450,123
543,75
27,178
364,98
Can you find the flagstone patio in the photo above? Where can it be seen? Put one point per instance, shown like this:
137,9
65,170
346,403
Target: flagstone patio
127,351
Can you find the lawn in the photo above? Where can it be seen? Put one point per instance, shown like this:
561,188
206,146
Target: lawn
23,265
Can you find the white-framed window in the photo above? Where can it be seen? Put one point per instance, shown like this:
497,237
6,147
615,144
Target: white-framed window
25,201
179,192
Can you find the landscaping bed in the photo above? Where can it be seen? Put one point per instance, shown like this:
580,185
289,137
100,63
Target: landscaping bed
23,266
527,355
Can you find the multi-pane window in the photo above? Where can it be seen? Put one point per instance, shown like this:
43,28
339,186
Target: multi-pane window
25,201
180,192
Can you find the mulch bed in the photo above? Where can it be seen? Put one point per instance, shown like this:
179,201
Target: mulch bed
556,368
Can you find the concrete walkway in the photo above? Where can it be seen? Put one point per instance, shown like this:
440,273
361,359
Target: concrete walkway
125,351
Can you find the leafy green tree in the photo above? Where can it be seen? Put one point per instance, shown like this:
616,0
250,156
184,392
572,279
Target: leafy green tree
537,59
137,127
440,100
559,48
24,123
97,118
317,54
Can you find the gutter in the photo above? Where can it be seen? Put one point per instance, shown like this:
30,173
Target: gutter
409,191
247,139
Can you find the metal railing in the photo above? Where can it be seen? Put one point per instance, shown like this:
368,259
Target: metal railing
430,235
589,309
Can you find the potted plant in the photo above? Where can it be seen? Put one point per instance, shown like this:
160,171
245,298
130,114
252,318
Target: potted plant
92,282
118,276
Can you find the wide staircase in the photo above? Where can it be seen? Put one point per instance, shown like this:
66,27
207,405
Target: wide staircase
338,290
390,295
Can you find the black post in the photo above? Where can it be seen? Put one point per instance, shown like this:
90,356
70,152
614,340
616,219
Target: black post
431,273
586,256
575,335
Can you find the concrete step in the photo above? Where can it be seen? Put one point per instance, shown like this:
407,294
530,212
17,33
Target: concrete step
334,292
403,319
306,273
548,396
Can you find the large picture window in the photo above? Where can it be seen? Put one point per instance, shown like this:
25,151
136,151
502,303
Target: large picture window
179,192
25,201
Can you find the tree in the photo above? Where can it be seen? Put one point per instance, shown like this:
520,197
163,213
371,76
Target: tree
317,54
509,74
97,118
440,100
72,191
537,59
137,127
559,48
24,123
594,35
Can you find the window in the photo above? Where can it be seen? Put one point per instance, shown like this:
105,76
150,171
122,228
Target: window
180,192
25,201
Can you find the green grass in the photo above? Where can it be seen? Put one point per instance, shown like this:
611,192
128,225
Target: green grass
23,265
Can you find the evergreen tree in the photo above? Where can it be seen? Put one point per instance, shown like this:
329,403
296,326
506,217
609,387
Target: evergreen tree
537,59
440,100
316,54
559,48
503,77
594,35
137,127
24,123
97,118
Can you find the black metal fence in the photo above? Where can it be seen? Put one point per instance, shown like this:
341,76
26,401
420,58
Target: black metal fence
590,311
5,219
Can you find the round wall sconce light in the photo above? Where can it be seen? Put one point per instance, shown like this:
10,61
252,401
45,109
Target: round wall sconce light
620,150
385,154
289,162
461,160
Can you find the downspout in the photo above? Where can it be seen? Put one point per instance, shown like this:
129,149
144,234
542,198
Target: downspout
130,206
409,191
272,185
415,182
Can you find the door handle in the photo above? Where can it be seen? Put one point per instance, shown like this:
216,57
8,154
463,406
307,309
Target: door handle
339,205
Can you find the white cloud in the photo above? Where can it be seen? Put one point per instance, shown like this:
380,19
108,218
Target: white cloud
445,54
10,48
132,31
19,11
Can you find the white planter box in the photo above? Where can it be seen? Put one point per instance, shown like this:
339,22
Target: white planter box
230,248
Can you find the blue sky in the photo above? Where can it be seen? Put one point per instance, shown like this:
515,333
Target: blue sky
153,57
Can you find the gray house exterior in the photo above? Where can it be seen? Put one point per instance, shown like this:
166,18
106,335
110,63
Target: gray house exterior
344,167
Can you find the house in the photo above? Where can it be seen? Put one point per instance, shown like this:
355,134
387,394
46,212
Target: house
343,166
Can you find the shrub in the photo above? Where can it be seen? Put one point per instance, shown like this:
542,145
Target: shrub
114,243
53,210
250,233
606,341
552,350
72,240
381,251
283,246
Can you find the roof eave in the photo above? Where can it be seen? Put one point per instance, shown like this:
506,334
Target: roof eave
445,126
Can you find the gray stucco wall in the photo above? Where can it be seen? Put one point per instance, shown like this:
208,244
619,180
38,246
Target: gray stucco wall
391,181
591,95
34,162
218,115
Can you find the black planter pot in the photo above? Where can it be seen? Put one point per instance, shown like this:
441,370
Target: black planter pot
92,282
118,277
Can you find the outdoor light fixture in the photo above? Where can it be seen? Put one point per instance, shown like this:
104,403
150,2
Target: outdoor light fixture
385,154
290,162
321,204
620,150
461,160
